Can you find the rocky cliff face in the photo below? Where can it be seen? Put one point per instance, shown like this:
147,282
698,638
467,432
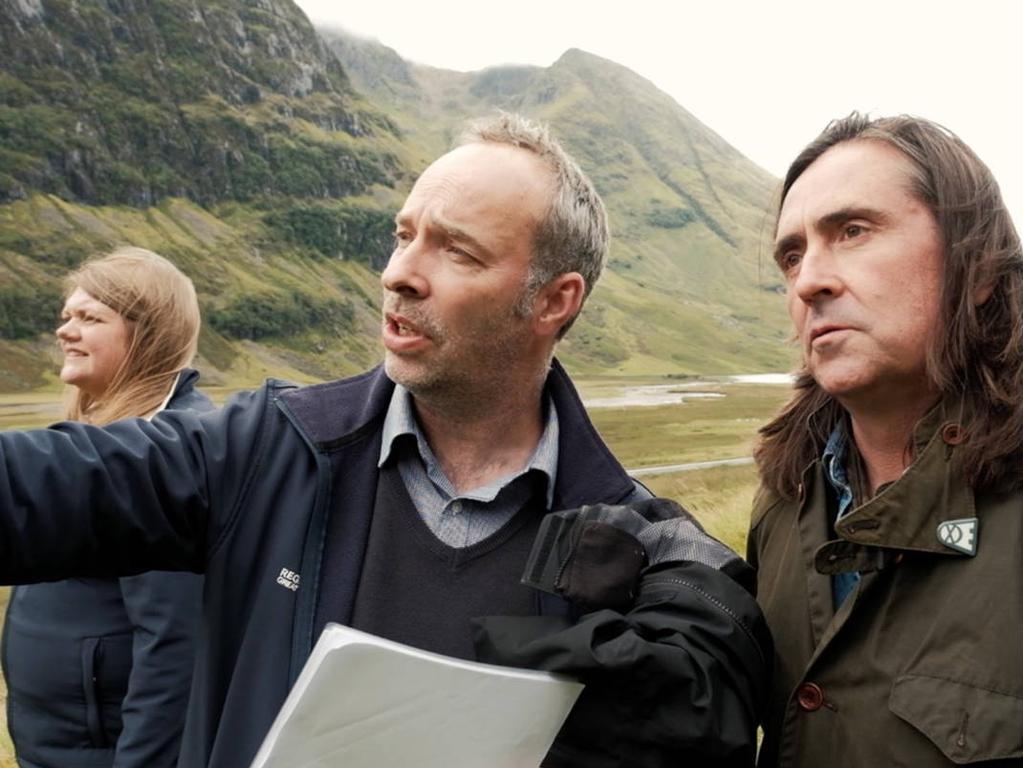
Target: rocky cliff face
231,47
223,134
132,101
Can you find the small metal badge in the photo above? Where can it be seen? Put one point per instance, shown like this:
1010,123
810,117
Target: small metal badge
960,535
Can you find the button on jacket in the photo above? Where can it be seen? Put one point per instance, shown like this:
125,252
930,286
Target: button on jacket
921,665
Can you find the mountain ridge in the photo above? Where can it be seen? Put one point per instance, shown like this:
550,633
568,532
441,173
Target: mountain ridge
272,170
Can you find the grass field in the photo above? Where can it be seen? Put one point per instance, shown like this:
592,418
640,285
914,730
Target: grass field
697,430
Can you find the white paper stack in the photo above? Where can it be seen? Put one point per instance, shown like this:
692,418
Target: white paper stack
365,702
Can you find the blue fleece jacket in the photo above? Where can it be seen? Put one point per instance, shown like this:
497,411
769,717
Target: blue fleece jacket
98,670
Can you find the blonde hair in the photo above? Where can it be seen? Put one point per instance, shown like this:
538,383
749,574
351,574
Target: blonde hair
160,307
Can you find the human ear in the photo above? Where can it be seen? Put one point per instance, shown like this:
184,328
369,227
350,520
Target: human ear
558,302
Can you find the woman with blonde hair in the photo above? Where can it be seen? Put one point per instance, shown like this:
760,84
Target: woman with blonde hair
98,670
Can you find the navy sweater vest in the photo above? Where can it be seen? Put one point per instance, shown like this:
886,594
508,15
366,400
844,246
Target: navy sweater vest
417,590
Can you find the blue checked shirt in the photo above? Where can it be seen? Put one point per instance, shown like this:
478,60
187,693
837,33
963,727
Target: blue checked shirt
834,458
461,520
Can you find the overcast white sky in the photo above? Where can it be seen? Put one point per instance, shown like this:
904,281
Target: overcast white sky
765,76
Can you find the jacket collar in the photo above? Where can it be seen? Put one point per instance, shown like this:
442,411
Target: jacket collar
187,378
184,395
587,470
907,513
335,413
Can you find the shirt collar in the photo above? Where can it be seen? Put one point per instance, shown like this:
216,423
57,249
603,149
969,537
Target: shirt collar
835,452
835,460
401,420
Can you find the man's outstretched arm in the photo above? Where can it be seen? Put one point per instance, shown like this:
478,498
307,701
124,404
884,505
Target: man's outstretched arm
133,496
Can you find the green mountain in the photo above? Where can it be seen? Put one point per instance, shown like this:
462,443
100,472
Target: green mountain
689,286
222,134
268,163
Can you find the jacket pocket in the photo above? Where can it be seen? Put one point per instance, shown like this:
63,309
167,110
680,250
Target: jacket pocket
967,723
90,687
106,667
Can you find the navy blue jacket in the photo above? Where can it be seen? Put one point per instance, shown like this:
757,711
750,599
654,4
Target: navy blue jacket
243,494
98,669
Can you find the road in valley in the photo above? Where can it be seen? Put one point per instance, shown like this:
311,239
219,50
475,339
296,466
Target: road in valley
667,468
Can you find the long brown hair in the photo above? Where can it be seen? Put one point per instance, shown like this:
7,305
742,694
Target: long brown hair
162,313
977,358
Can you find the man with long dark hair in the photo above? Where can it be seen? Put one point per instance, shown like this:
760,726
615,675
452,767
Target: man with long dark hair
888,533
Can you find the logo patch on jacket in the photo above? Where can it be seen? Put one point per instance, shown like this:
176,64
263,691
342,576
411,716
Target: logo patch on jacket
288,579
960,535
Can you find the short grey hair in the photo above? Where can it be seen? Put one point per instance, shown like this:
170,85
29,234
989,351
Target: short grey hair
573,235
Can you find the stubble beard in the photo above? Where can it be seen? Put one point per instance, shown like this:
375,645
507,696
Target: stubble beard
466,371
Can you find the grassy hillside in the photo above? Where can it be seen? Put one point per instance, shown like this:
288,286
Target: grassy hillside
228,137
273,310
222,134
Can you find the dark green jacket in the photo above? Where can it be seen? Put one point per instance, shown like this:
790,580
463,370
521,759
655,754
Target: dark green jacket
922,665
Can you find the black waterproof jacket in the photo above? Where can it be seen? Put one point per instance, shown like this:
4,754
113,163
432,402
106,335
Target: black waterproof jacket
244,495
674,651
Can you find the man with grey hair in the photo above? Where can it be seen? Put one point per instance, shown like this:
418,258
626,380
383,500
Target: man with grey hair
413,500
573,235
